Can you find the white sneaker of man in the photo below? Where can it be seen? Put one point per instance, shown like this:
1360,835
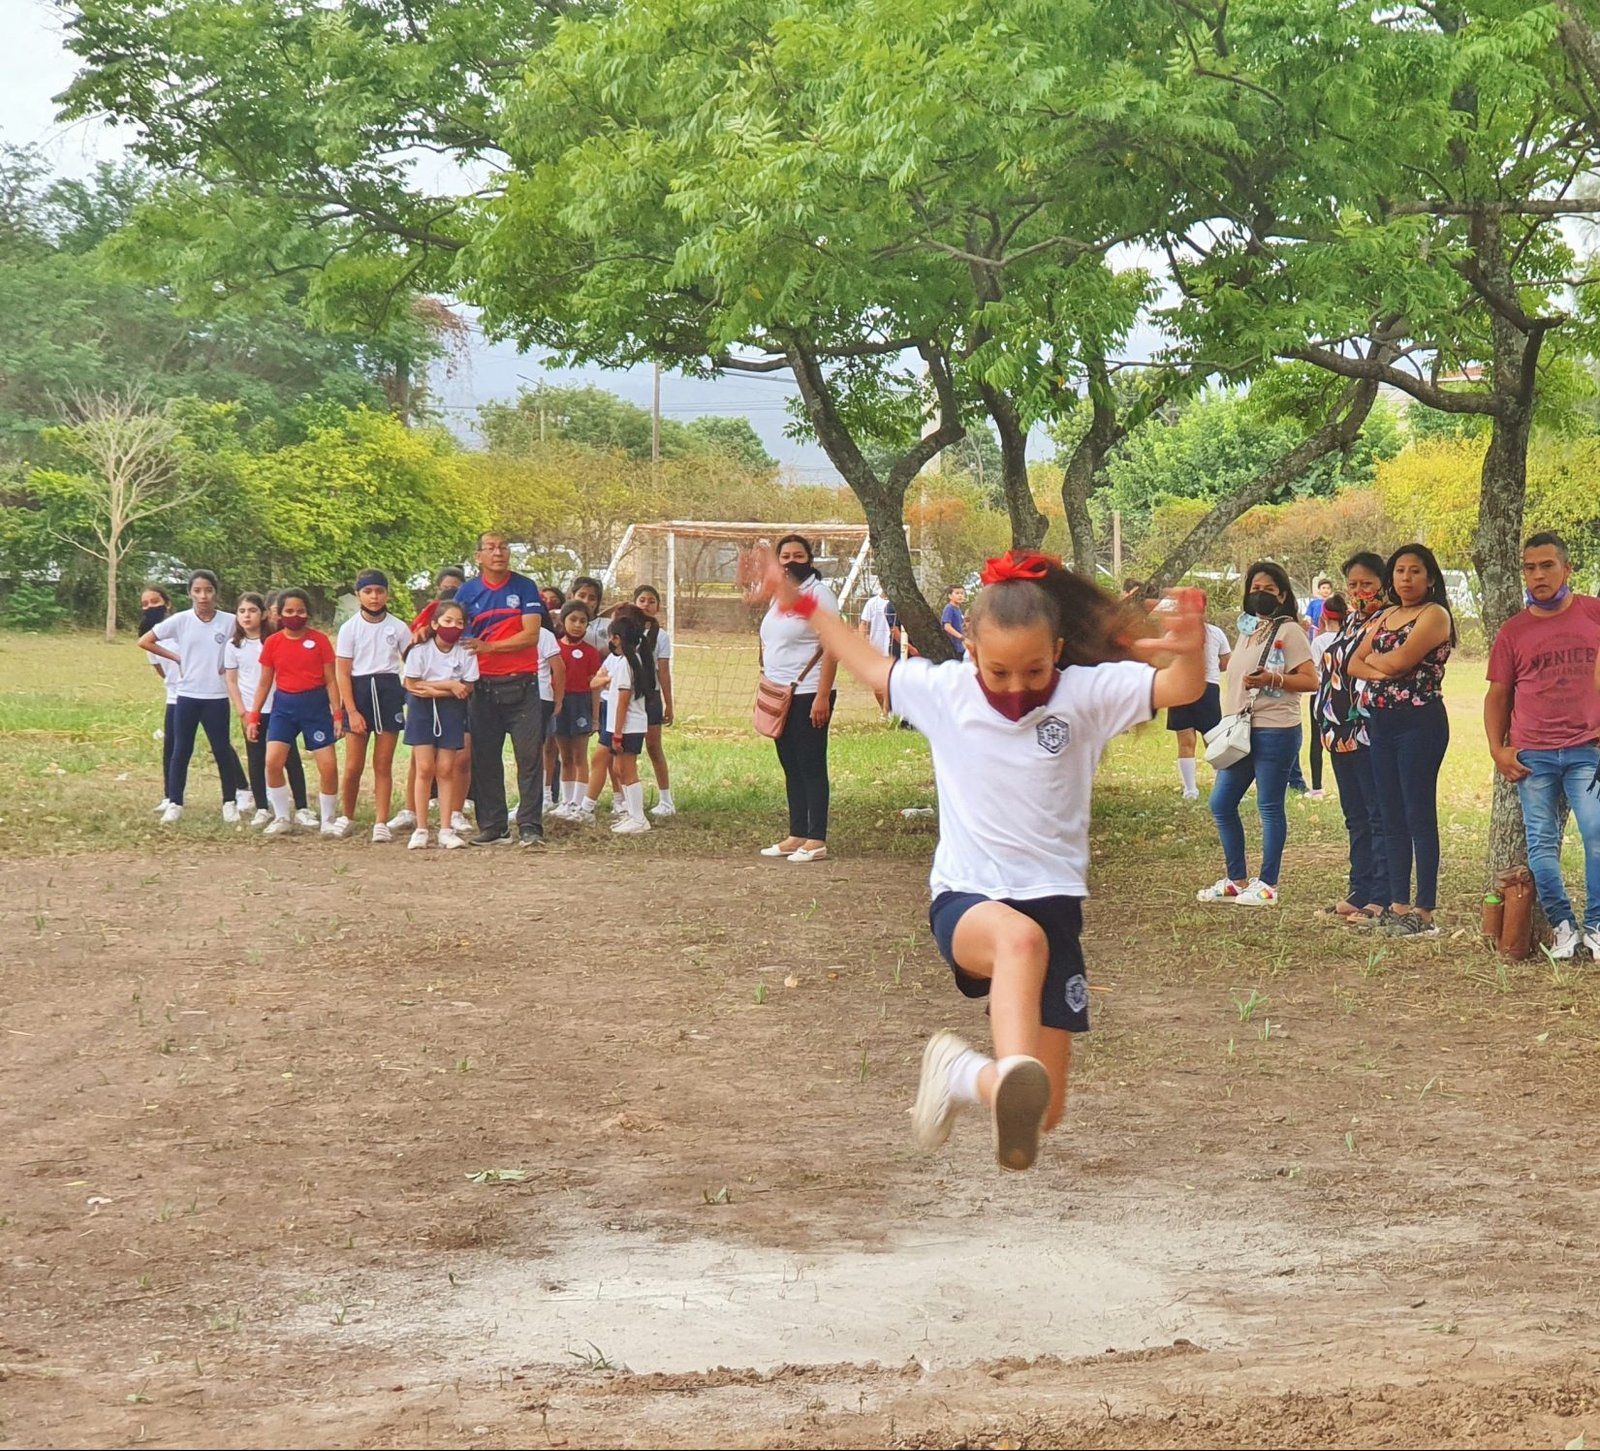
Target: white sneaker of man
1566,944
1591,940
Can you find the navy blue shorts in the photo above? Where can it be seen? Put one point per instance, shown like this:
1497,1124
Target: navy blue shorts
576,716
1064,1003
301,713
382,700
652,711
631,745
438,721
1200,715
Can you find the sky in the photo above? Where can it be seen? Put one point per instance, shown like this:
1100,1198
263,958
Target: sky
34,67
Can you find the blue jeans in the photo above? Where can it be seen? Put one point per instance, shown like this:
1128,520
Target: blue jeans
1408,746
1574,773
1272,753
1363,823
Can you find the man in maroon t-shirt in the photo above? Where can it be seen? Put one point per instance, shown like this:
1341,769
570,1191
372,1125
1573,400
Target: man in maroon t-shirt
1542,717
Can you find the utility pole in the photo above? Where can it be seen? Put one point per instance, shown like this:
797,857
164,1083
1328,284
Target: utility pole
655,427
1116,548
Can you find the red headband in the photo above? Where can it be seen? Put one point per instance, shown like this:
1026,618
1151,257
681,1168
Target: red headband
1017,564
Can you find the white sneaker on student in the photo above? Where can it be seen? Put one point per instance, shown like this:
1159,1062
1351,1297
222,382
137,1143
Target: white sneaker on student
381,832
619,807
1257,894
305,816
1222,891
1591,940
934,1109
172,815
459,823
450,840
261,818
1566,944
419,839
403,821
339,826
163,806
230,812
663,809
279,826
630,826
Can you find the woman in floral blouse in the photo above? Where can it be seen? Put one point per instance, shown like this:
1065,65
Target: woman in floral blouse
1402,654
1340,716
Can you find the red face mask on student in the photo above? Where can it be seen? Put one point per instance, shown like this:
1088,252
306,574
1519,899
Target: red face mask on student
447,635
1014,704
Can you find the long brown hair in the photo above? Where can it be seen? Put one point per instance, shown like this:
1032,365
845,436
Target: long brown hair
1023,588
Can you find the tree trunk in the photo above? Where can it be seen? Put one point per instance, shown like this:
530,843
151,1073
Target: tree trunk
1079,479
1027,523
113,560
1338,432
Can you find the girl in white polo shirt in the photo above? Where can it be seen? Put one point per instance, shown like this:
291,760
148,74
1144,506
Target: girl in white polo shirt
368,657
1015,743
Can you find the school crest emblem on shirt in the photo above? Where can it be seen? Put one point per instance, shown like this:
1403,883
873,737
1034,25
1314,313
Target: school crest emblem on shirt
514,600
1053,733
219,637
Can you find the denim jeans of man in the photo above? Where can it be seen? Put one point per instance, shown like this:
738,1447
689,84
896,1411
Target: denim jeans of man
1363,824
1573,774
1272,752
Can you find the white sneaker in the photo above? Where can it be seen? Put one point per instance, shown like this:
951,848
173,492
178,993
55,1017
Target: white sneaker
230,812
1566,944
305,816
1257,894
1021,1097
340,826
468,807
279,826
450,840
1223,891
1191,795
630,826
1591,940
560,812
172,815
331,828
404,821
419,839
934,1109
163,806
246,802
381,832
261,818
459,823
663,809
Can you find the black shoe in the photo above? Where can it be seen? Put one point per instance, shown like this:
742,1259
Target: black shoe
492,838
530,838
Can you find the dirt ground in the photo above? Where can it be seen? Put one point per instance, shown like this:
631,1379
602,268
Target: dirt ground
244,1096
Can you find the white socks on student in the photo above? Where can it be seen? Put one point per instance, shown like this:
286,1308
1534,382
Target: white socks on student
329,808
666,799
633,799
279,798
964,1073
1186,770
572,793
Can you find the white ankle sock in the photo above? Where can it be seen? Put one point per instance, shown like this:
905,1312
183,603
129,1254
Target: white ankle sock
1186,770
329,807
572,792
278,797
588,804
964,1076
244,800
633,799
666,796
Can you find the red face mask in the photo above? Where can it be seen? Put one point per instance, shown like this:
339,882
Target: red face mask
1014,704
447,635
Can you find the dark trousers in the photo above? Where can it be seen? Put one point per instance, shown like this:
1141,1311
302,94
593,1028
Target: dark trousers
1408,746
1316,758
501,706
255,754
190,716
1363,823
803,753
169,739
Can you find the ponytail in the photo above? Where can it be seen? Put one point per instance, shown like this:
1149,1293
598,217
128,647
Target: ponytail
638,634
1023,588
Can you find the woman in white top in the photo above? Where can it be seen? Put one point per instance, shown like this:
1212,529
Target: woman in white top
648,599
792,655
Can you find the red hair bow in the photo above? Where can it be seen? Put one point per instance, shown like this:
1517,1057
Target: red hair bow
1017,564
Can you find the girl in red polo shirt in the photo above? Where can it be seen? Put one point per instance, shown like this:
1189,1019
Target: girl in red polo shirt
574,722
299,661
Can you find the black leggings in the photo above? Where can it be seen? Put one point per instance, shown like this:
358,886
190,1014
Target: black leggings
255,752
803,752
1316,754
189,717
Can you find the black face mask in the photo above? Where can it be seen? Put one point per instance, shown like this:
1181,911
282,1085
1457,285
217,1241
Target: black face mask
798,572
151,617
1263,603
449,592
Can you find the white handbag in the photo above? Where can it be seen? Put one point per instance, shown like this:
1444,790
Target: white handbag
1228,742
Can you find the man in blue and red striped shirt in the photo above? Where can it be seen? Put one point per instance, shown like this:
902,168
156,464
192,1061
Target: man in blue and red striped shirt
505,614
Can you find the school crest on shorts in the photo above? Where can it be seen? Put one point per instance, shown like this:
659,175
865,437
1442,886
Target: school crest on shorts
1077,993
1053,733
319,737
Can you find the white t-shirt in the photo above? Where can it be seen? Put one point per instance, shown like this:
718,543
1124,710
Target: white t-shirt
875,616
599,635
1319,646
372,647
549,648
198,644
1014,795
1216,648
428,661
663,646
788,642
170,675
245,657
621,673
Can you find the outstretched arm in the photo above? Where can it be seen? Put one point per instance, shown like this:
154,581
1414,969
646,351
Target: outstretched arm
841,643
1183,678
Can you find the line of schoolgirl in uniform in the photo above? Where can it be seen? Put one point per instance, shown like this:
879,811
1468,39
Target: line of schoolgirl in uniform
381,679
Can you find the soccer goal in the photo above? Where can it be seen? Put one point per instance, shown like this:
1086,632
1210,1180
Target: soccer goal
703,569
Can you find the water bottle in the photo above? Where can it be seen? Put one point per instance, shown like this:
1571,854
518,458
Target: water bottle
1275,661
